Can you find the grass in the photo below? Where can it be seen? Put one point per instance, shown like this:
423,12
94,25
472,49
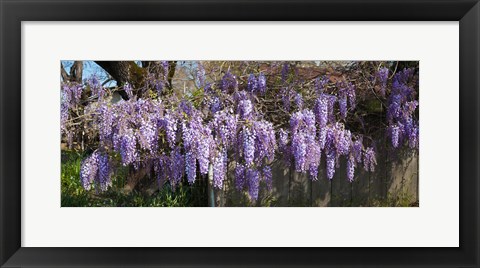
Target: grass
399,200
73,194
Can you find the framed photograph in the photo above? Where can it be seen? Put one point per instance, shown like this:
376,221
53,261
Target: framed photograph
239,133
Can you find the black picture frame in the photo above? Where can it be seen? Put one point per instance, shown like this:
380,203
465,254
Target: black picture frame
13,12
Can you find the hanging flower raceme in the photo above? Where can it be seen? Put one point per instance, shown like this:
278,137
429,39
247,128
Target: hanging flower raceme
283,146
166,68
96,87
128,89
152,81
190,166
220,168
346,97
95,171
171,124
70,97
239,176
72,93
305,147
351,167
382,76
343,139
321,110
147,134
104,172
285,71
105,122
267,177
177,166
401,109
262,84
128,146
248,137
369,159
253,177
89,170
257,84
229,82
245,109
330,160
225,127
357,148
299,100
198,141
161,166
252,83
265,142
200,75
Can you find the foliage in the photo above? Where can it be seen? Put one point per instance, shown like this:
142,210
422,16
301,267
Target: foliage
247,115
74,195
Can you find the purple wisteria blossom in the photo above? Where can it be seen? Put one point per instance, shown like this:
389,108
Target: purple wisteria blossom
225,127
265,142
267,176
239,177
248,145
401,110
89,170
299,101
253,177
128,144
170,123
177,166
262,84
382,76
95,87
351,167
220,168
229,82
245,109
233,125
321,84
330,159
306,149
200,75
190,167
252,83
369,160
104,172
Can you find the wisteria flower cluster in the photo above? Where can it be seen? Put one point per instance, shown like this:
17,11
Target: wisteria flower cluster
96,170
402,105
382,76
227,130
70,97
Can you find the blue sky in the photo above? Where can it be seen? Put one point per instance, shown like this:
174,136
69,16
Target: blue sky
90,68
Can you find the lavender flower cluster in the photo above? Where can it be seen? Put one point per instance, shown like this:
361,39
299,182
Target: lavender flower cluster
96,170
70,97
346,92
403,127
382,76
183,142
257,84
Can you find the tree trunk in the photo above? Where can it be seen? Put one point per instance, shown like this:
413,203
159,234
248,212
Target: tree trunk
129,71
123,72
76,72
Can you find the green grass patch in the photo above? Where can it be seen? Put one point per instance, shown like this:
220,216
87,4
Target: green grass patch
73,194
